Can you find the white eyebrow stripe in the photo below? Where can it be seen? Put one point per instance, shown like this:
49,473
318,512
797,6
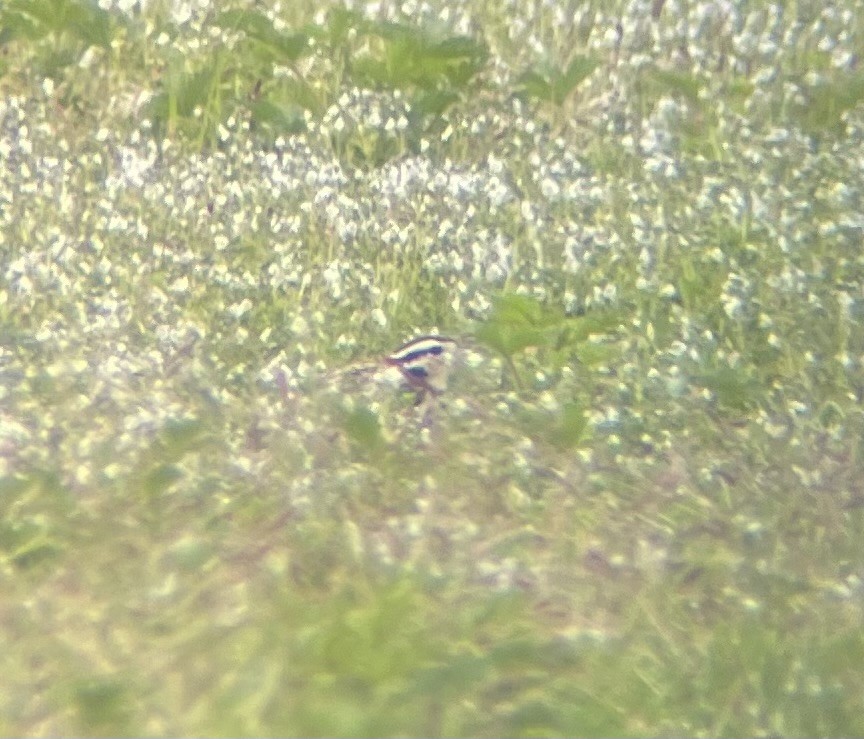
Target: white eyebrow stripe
420,348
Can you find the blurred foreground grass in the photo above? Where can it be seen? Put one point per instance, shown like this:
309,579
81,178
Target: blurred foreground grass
638,511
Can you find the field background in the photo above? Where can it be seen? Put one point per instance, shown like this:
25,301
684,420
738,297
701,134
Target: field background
638,509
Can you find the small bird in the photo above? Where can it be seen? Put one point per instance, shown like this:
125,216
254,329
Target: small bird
425,363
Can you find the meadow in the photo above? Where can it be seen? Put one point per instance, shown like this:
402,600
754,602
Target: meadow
637,510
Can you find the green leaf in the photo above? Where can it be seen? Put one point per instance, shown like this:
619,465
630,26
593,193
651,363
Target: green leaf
88,22
826,102
406,57
184,435
552,85
590,354
432,103
280,119
533,84
509,339
572,426
451,679
37,19
513,308
519,322
159,479
340,22
35,552
280,47
578,70
660,82
579,328
830,415
103,706
24,20
734,387
363,427
459,58
11,486
182,94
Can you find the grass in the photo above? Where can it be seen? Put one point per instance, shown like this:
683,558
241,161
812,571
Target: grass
636,511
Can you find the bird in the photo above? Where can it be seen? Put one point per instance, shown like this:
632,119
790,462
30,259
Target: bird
425,363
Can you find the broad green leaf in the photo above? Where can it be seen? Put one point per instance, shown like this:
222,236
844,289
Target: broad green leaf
280,119
183,93
572,427
826,102
590,354
509,339
36,19
340,22
578,70
182,436
533,84
433,103
510,308
406,57
24,20
660,82
579,328
734,387
553,85
281,47
88,22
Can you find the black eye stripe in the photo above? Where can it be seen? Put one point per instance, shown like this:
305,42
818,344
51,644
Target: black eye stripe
424,363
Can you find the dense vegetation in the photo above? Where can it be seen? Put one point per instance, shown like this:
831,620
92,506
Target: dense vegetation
638,509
